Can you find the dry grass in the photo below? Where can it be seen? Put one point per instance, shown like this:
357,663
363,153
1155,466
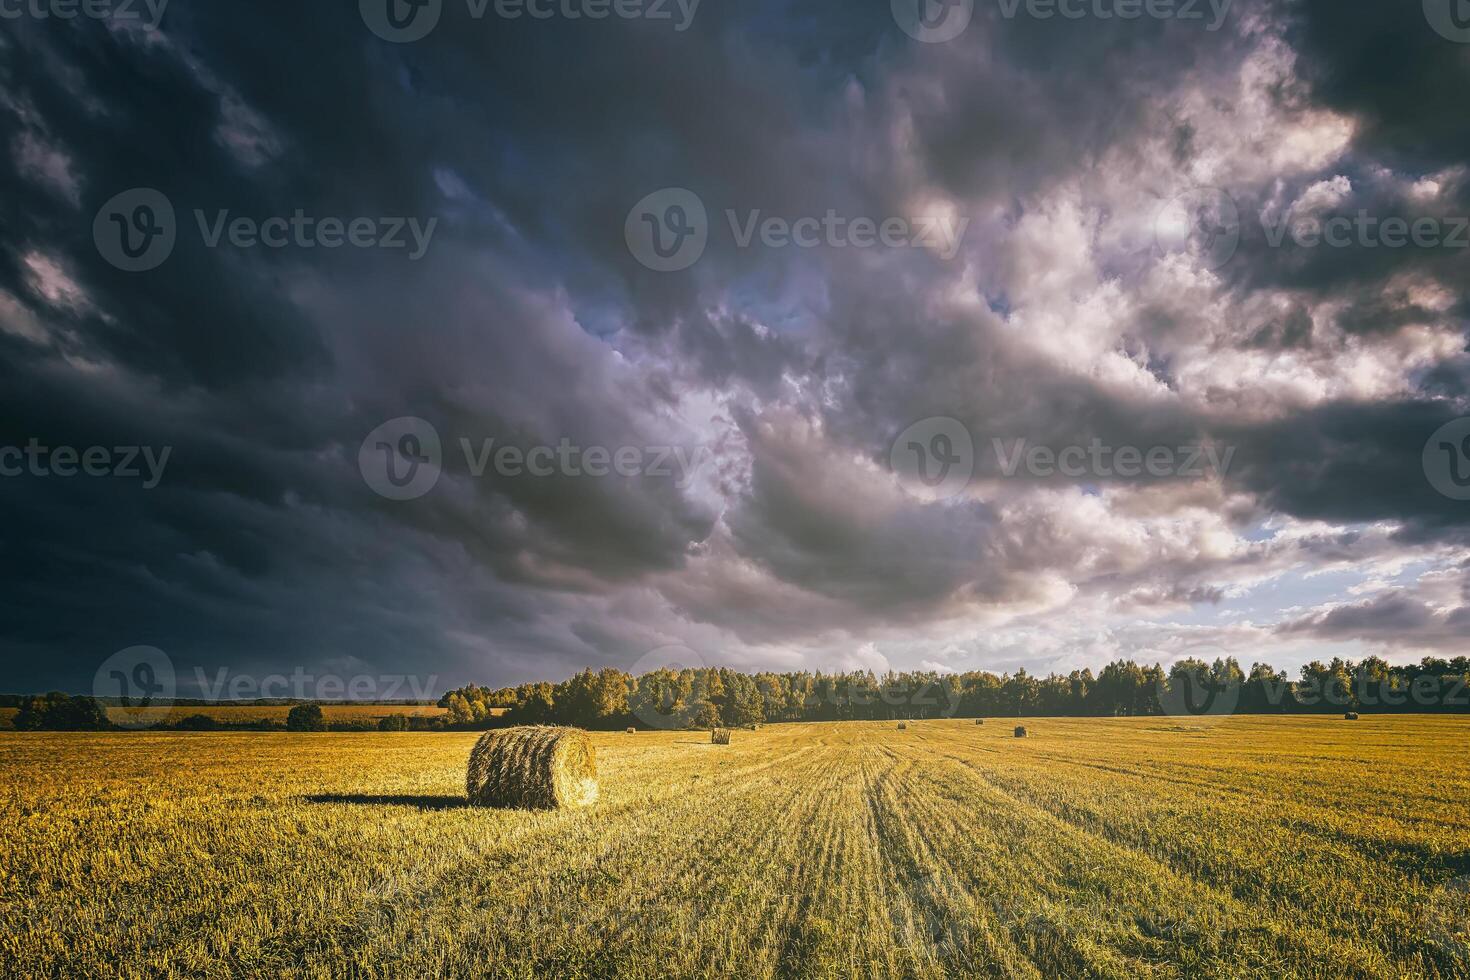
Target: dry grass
532,768
1256,847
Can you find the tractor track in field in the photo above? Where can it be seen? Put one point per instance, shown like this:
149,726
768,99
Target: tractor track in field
931,907
1230,897
817,852
1317,820
467,877
1251,792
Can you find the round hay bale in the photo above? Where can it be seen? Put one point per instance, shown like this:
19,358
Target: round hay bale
1350,716
903,726
752,728
533,768
720,736
632,730
979,721
1020,731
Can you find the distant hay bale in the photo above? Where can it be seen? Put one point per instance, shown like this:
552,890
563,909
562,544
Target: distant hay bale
979,721
903,726
533,768
1350,716
720,736
752,728
1020,731
632,730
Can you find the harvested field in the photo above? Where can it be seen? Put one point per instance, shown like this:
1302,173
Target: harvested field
1297,847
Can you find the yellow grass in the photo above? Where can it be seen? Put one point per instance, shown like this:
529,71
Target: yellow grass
532,767
1304,847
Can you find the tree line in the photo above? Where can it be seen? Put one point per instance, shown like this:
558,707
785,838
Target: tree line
710,697
61,712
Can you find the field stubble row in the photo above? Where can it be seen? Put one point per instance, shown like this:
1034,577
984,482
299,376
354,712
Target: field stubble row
1106,848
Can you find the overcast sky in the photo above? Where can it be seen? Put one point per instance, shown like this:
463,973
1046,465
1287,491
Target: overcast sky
1088,232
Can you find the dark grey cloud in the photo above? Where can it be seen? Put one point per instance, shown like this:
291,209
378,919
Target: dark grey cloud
1395,75
528,321
1396,619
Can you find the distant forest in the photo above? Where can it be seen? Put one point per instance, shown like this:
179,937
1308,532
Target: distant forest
710,697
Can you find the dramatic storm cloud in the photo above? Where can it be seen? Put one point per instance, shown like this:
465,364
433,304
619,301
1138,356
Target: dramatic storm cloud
1170,312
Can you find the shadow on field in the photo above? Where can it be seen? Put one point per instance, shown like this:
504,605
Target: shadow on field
421,802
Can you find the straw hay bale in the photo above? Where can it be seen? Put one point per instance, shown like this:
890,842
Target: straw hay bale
534,768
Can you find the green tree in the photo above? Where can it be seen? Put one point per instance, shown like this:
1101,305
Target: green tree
703,714
1264,690
744,704
1023,692
460,711
538,707
58,712
305,718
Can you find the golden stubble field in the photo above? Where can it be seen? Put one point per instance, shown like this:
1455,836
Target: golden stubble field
1093,848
